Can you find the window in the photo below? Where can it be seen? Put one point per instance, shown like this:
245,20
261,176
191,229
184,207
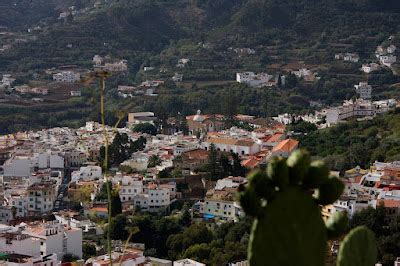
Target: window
123,198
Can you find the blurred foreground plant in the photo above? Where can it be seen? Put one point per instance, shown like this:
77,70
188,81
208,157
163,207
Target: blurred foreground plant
288,228
101,76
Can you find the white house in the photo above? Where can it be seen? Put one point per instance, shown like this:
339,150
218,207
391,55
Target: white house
368,68
56,238
7,80
97,60
353,204
148,68
387,60
120,66
75,93
391,49
364,90
141,117
67,77
254,80
177,77
230,144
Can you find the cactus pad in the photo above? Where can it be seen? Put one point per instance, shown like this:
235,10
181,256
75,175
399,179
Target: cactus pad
358,248
288,228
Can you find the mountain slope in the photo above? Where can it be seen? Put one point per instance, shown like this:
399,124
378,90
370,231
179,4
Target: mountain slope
142,29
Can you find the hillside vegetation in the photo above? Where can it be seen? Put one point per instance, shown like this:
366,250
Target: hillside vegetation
357,143
139,30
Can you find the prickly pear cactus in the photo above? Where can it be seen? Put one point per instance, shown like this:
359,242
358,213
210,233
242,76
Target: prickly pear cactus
288,227
358,248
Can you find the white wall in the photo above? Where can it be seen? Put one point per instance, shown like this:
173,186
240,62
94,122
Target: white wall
19,167
74,242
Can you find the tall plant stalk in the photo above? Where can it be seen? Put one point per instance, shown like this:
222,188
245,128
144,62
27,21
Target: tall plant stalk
105,162
102,76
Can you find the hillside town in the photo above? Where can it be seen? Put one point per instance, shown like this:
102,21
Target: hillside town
194,133
57,172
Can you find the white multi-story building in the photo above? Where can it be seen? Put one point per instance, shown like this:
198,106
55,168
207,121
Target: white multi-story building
221,204
349,109
129,188
41,197
6,214
67,77
358,108
364,90
74,158
87,173
153,200
254,80
17,199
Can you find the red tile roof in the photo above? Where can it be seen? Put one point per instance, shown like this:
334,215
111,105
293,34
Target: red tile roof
389,203
287,145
